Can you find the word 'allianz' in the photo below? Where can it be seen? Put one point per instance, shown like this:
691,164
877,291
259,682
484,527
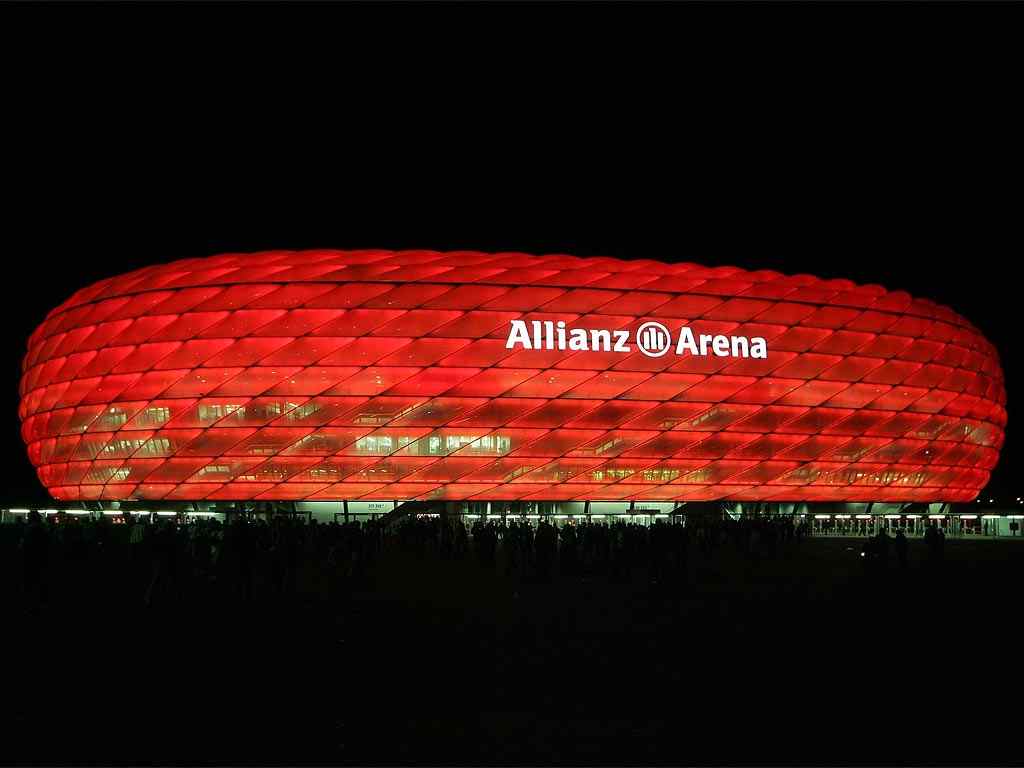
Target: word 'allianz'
651,338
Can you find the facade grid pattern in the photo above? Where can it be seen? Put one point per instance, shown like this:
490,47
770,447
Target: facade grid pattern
385,375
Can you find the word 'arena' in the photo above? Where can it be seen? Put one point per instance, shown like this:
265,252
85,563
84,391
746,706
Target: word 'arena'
652,339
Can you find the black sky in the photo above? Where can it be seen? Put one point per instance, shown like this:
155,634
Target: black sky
906,175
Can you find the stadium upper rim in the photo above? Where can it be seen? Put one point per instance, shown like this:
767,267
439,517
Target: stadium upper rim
380,265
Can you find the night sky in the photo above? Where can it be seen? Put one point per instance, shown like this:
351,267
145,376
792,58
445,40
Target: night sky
874,187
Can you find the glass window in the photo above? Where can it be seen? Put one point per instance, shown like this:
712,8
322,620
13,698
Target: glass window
153,416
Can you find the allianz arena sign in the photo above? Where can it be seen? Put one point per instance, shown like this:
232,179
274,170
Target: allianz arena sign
390,375
651,338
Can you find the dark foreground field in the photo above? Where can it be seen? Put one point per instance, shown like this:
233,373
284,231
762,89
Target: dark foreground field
801,657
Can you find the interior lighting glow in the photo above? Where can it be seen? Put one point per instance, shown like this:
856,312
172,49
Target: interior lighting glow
395,367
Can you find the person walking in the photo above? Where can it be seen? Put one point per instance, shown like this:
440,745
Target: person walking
35,547
934,538
901,547
882,547
164,562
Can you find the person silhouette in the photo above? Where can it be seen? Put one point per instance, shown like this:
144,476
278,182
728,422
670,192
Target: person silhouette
35,546
882,546
901,547
933,538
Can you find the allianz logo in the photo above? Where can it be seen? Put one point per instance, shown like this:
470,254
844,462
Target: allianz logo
651,338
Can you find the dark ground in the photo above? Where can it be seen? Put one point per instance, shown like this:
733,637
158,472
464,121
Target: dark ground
797,658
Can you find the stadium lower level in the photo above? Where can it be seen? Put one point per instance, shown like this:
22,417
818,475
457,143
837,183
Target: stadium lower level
825,519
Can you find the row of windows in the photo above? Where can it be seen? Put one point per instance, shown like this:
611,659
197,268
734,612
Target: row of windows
488,471
512,412
574,444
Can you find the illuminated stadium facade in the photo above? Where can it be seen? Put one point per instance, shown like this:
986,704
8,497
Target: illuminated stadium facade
380,376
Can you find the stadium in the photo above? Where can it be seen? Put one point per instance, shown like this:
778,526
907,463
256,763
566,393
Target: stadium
348,384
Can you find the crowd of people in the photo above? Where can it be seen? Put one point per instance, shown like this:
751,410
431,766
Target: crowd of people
170,558
619,548
173,558
876,547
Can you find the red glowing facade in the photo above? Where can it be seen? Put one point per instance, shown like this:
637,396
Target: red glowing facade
391,375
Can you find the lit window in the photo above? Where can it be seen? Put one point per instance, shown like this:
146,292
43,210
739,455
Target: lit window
154,416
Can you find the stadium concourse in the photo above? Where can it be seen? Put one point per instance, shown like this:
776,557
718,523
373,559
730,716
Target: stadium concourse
983,519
